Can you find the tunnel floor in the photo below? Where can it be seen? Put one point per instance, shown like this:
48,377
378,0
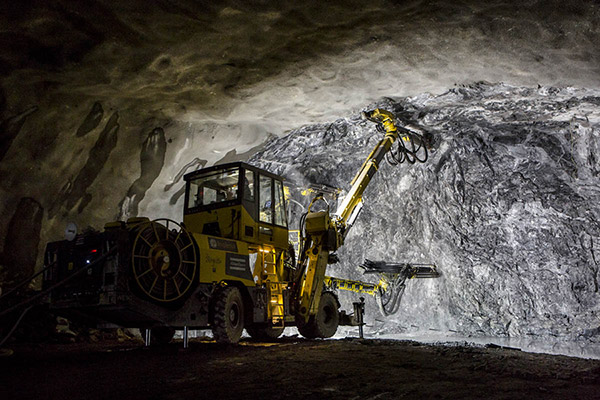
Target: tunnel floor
292,368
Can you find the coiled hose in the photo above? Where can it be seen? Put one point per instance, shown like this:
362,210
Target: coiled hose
410,147
389,299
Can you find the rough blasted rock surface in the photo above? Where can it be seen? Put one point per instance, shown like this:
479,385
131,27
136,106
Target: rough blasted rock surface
506,207
103,108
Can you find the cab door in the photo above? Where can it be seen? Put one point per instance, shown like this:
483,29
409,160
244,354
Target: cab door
272,213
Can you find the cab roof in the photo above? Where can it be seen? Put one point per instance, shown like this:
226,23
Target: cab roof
236,164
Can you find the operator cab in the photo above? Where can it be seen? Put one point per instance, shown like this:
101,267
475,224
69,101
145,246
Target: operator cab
237,201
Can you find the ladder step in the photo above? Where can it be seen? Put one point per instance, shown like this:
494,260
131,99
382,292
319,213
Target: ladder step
271,278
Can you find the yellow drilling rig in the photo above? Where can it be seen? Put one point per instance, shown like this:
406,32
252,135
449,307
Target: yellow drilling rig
229,265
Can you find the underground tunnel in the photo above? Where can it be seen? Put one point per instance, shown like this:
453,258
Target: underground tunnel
198,193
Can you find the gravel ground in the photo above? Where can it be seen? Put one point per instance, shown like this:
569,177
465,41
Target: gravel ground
292,368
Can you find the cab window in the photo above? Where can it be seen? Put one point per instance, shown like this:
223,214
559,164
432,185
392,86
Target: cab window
265,199
280,217
249,185
213,188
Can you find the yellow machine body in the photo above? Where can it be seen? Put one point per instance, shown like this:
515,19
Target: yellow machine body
239,202
223,260
237,216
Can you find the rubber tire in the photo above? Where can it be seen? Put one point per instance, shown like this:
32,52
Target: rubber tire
228,315
306,329
325,323
160,335
328,318
264,333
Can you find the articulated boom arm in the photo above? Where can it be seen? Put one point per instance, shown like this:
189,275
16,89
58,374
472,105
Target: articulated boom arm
349,209
391,285
325,233
388,273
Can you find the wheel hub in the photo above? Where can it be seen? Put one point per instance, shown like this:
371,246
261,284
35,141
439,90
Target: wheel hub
164,259
234,315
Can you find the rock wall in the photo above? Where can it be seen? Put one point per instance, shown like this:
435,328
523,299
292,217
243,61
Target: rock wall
20,248
506,207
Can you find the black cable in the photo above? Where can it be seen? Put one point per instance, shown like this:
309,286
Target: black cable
425,157
15,325
396,291
415,151
407,153
301,250
402,153
58,284
301,224
27,280
392,157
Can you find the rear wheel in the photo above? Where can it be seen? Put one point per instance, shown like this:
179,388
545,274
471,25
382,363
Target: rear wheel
228,315
265,333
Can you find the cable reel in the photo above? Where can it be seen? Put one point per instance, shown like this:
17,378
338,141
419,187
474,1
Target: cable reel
164,261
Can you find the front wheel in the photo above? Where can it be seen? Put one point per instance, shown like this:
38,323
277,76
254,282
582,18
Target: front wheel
228,315
328,318
306,329
325,323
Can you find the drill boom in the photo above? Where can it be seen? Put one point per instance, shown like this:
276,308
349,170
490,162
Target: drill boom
325,233
370,166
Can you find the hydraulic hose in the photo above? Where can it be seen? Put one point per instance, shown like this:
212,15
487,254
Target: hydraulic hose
410,155
396,291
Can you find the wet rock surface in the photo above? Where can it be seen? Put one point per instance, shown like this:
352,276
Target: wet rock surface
506,207
75,192
92,120
10,128
152,160
18,260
